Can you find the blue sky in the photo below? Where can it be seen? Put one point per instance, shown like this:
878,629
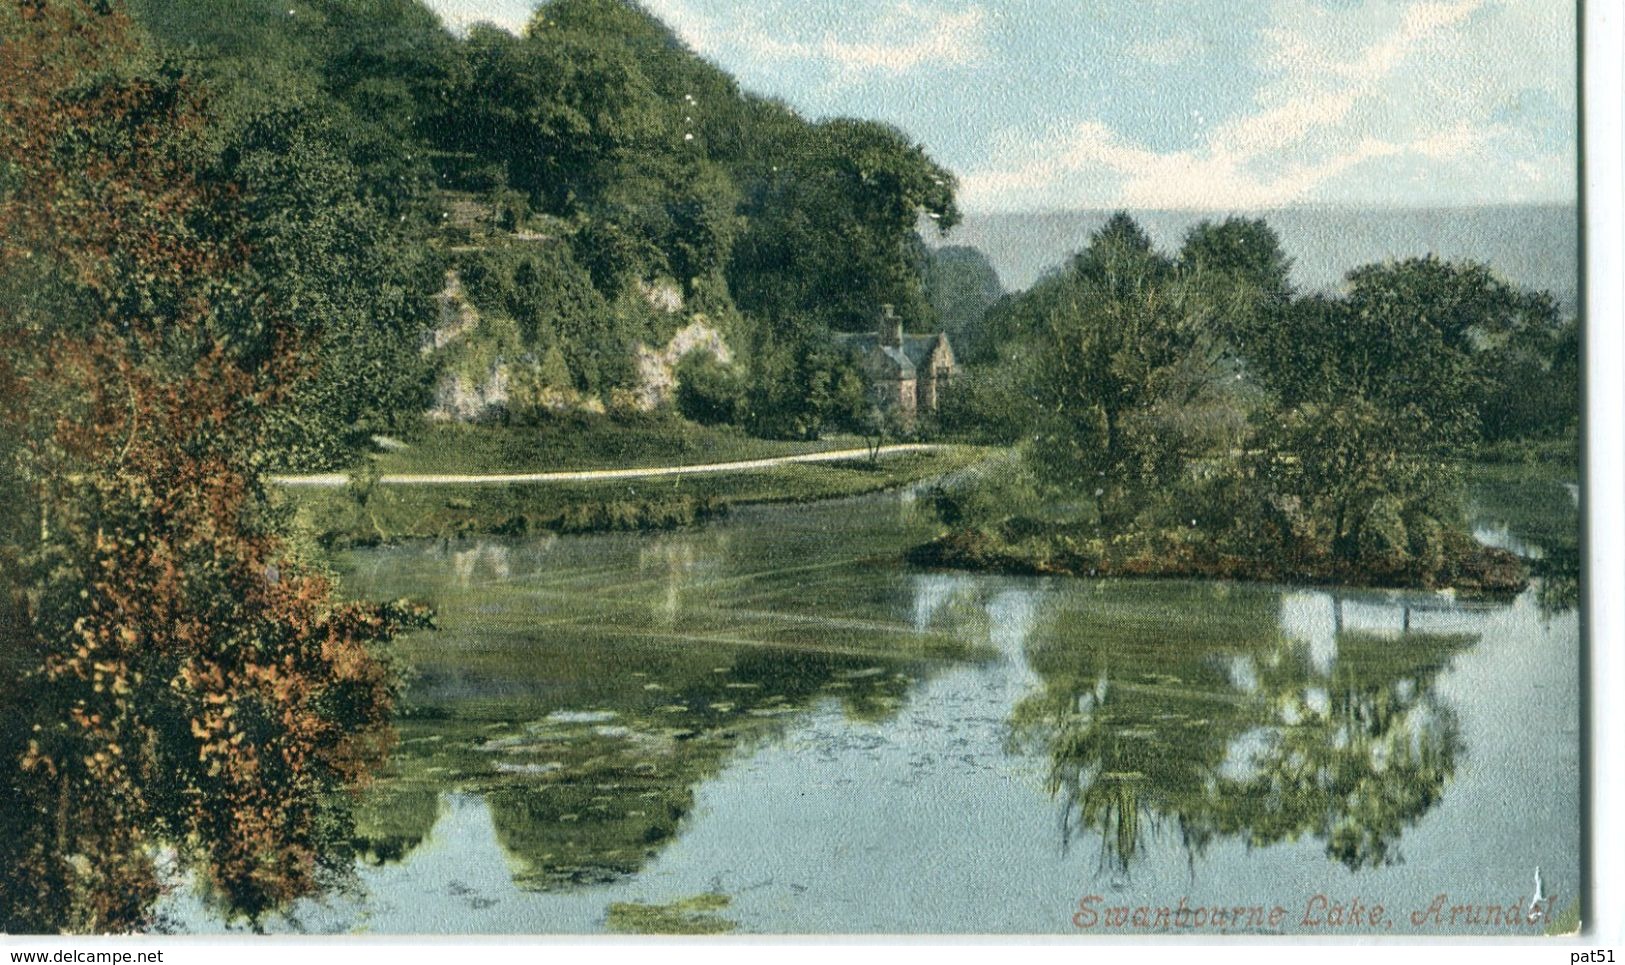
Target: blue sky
1208,104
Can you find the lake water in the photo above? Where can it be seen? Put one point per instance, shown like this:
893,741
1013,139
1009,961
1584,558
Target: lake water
770,725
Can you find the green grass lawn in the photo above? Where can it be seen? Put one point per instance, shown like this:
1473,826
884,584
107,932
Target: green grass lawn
587,442
1533,498
406,511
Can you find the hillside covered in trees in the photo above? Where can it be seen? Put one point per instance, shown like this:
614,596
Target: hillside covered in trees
592,184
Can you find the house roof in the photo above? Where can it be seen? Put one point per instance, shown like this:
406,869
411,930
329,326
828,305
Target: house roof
915,351
905,365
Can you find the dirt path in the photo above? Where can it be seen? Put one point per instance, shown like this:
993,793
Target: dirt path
335,479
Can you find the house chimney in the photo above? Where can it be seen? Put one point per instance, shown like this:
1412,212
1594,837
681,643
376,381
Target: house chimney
891,327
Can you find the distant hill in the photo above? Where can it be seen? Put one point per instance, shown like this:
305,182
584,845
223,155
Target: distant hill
1535,246
961,285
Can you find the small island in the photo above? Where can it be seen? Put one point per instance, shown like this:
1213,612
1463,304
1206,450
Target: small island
1195,416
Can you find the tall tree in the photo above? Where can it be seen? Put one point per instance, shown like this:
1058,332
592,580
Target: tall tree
1530,376
1241,251
560,109
1239,261
1379,390
185,681
353,283
382,65
831,234
1127,389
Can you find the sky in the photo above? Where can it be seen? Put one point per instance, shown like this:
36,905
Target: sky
1172,104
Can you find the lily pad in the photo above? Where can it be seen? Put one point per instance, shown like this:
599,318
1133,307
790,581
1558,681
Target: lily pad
689,916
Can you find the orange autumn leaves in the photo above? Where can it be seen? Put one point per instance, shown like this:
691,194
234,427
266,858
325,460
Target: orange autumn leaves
185,692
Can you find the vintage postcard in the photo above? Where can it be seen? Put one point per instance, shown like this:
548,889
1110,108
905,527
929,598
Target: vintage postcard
791,467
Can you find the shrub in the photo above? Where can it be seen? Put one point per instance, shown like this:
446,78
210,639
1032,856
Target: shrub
708,391
987,498
1382,538
1427,542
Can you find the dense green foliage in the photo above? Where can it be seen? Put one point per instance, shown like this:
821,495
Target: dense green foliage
832,228
654,166
178,678
379,67
708,391
352,283
564,173
801,387
1199,409
550,297
312,112
1127,374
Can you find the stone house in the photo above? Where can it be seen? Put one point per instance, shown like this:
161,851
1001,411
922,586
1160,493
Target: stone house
906,374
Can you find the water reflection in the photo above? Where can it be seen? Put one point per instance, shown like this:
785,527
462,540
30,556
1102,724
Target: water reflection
1559,587
584,687
677,565
1352,756
394,819
1234,717
481,562
1538,519
623,713
585,797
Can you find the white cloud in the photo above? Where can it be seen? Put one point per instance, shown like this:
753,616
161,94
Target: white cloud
1275,128
1420,25
1460,141
1418,85
459,15
904,38
913,39
1136,177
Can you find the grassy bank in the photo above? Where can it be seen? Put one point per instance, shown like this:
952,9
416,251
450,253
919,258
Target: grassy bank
1533,497
1461,563
1550,456
1528,499
585,441
355,516
1534,503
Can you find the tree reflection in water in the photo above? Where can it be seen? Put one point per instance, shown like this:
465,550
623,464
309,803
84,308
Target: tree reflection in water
1211,720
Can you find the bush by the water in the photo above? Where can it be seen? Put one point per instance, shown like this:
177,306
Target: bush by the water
618,516
1459,562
